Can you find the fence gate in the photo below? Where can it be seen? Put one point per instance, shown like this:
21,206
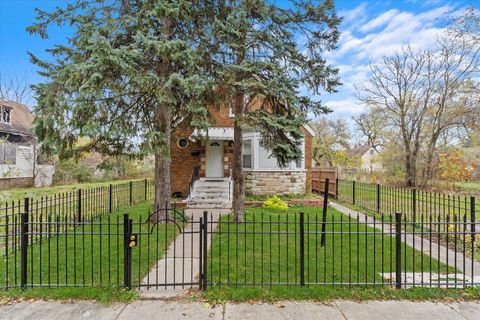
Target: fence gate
165,251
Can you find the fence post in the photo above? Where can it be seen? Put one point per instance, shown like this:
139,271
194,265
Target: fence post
378,197
79,206
414,204
127,252
336,188
324,214
398,247
353,192
472,216
24,244
110,191
205,247
130,187
146,189
201,226
302,249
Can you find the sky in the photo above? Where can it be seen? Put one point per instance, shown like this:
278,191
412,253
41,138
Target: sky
370,30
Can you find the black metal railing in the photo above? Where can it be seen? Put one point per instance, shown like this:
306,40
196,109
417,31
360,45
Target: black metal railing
72,207
194,177
298,247
303,248
410,201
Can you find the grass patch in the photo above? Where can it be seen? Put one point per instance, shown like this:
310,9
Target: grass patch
89,255
328,293
101,295
268,252
20,193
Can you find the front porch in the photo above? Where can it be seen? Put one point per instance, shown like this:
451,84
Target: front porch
207,158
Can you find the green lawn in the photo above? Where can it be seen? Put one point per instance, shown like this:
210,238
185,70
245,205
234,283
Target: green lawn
20,193
330,293
90,255
436,205
272,255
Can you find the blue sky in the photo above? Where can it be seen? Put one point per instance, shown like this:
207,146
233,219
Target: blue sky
370,30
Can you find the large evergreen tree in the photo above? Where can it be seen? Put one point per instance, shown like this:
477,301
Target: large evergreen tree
274,54
128,73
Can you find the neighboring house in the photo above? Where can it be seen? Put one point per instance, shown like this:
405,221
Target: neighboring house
18,152
369,160
202,162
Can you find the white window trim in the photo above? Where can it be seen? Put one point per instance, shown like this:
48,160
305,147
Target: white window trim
255,137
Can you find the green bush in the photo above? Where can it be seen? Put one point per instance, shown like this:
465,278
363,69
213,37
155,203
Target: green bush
275,203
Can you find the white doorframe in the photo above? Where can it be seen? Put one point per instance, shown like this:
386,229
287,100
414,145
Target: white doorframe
214,159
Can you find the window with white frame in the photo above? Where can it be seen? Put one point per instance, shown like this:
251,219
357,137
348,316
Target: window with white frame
247,154
8,153
231,112
5,114
256,157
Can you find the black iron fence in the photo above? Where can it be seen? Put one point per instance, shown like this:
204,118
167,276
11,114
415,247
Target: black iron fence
72,207
411,202
297,247
301,249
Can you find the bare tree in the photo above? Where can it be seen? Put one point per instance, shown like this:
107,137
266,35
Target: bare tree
372,126
423,95
15,88
330,137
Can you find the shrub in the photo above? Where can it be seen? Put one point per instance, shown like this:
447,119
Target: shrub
275,203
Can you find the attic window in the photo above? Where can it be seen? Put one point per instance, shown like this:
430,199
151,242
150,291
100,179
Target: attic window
5,114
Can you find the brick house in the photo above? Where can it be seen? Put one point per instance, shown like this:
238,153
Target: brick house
202,161
18,152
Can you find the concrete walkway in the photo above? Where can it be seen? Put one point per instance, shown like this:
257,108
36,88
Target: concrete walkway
158,309
438,252
181,263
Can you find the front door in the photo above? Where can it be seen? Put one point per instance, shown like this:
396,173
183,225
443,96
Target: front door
214,155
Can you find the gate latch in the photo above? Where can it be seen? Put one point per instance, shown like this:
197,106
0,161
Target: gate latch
132,240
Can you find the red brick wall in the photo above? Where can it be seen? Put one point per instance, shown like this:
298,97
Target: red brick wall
183,161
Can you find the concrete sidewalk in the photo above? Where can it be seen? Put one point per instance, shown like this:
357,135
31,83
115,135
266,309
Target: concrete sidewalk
161,309
433,249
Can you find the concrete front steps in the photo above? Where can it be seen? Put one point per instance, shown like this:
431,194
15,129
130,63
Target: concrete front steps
211,193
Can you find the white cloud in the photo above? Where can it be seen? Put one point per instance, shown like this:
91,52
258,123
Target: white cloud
375,36
379,21
347,106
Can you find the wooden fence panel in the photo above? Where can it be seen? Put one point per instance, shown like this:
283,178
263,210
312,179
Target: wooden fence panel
319,176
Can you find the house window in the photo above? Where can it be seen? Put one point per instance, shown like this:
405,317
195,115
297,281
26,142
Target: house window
266,160
182,143
5,114
231,113
247,154
8,153
372,152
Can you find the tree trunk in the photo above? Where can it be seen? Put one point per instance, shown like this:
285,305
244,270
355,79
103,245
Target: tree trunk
409,171
162,166
238,179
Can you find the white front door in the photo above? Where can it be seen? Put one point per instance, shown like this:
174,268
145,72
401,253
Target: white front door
214,155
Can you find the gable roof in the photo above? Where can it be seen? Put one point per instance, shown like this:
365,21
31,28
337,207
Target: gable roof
21,119
358,151
309,129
